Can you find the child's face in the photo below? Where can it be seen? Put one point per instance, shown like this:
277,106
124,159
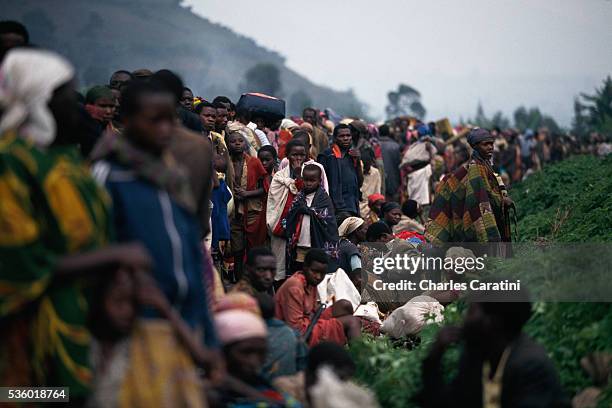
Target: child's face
311,179
235,143
119,303
267,160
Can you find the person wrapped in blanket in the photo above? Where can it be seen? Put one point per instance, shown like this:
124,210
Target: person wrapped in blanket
311,221
471,203
296,304
55,230
285,185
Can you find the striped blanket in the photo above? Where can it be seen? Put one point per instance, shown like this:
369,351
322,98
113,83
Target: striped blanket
467,207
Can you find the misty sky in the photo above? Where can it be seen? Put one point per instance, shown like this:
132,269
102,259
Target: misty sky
503,53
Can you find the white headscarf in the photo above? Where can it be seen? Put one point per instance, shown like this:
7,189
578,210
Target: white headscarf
349,225
28,78
324,182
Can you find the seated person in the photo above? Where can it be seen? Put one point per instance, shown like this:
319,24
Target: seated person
412,218
286,350
260,270
391,213
243,336
296,304
352,232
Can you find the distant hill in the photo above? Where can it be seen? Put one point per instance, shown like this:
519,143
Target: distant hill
102,36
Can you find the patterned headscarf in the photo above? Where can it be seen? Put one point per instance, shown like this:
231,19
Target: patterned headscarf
28,78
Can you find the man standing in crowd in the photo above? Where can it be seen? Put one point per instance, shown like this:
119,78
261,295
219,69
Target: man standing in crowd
119,79
391,159
319,136
470,205
343,168
221,121
187,99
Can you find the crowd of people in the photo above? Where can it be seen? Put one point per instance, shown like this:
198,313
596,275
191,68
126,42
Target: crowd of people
160,248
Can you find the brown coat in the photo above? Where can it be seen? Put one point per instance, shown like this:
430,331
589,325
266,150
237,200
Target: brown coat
194,151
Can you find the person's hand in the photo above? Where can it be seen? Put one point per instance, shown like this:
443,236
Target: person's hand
296,167
239,194
214,365
355,153
447,336
508,201
149,294
133,256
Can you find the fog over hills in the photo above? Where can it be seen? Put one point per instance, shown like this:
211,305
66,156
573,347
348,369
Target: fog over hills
100,37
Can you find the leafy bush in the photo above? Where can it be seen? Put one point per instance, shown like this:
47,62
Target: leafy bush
581,187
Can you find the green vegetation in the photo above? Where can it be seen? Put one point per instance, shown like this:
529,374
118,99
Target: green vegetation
568,202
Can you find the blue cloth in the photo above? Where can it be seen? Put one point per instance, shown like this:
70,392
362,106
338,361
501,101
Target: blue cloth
286,351
142,212
343,181
219,220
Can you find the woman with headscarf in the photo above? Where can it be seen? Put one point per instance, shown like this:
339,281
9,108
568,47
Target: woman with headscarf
243,335
55,224
352,232
470,203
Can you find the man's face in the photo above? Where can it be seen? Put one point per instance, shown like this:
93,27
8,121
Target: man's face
263,272
106,108
235,143
315,273
393,217
221,122
187,100
485,149
246,357
309,116
208,117
296,156
312,180
153,126
118,79
343,138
